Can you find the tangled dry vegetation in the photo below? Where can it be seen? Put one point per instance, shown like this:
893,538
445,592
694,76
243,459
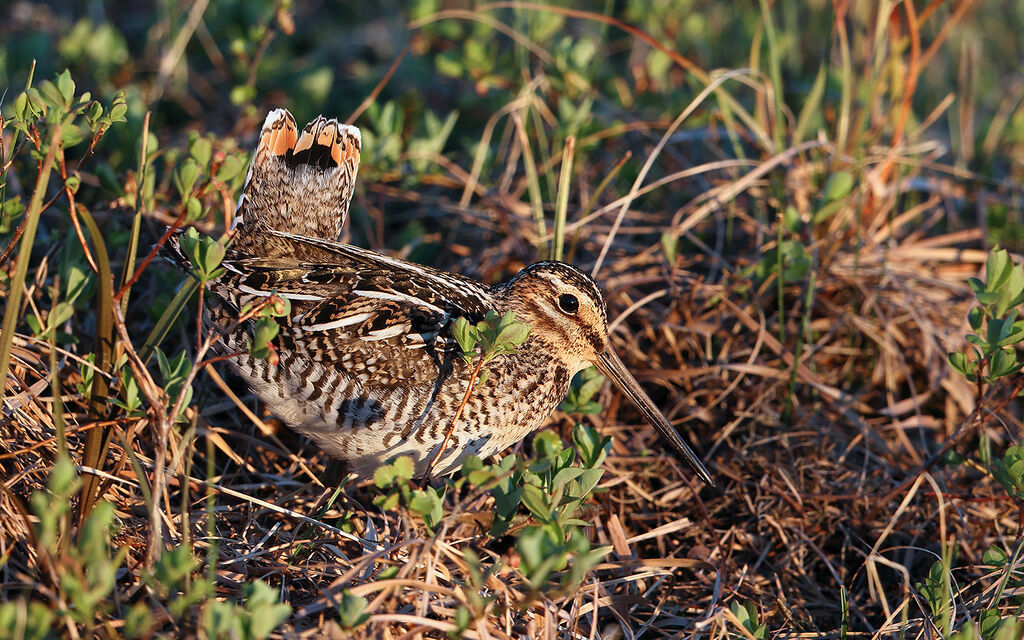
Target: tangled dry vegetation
805,353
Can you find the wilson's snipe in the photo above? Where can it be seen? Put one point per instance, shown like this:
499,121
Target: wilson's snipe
368,366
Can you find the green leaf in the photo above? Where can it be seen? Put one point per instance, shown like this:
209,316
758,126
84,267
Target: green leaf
1015,287
592,383
533,547
987,297
449,64
232,166
264,332
278,308
589,479
85,371
21,107
117,113
350,610
589,442
185,177
63,479
265,611
483,377
989,622
548,444
838,186
978,340
66,86
976,318
389,572
1004,362
193,209
535,500
958,361
52,96
565,475
139,621
952,458
462,620
204,253
70,136
827,210
400,470
994,556
747,615
201,150
512,334
998,267
95,112
174,374
241,94
976,284
427,504
1009,629
465,335
669,246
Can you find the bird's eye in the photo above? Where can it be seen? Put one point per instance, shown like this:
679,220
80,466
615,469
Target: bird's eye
568,303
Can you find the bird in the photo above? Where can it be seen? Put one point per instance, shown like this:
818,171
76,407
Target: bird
368,366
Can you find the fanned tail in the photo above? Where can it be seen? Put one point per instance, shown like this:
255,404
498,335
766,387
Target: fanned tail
300,184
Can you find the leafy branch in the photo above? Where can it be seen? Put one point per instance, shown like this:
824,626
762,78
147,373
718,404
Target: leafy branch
479,344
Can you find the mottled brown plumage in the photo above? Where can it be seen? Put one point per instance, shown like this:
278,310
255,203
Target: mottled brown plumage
368,366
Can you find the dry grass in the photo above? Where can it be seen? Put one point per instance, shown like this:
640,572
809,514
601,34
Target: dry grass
824,407
825,463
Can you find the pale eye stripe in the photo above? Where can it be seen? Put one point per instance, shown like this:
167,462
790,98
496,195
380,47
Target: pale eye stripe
338,324
397,297
557,317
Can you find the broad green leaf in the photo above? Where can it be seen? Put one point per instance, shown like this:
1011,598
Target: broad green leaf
201,150
350,610
838,186
534,500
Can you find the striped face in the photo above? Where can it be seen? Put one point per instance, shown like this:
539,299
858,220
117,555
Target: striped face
565,309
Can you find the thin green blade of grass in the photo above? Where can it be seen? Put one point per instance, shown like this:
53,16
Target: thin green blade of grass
811,107
543,145
532,179
167,319
774,72
133,238
594,199
17,285
97,440
213,545
562,200
846,82
58,406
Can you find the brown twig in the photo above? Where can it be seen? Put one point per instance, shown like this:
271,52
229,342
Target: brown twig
455,419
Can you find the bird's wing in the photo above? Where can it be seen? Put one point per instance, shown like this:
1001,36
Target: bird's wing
360,308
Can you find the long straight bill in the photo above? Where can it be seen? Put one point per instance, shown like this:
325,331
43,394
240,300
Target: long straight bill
610,365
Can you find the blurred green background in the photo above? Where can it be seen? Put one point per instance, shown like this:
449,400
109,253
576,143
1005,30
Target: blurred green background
216,66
